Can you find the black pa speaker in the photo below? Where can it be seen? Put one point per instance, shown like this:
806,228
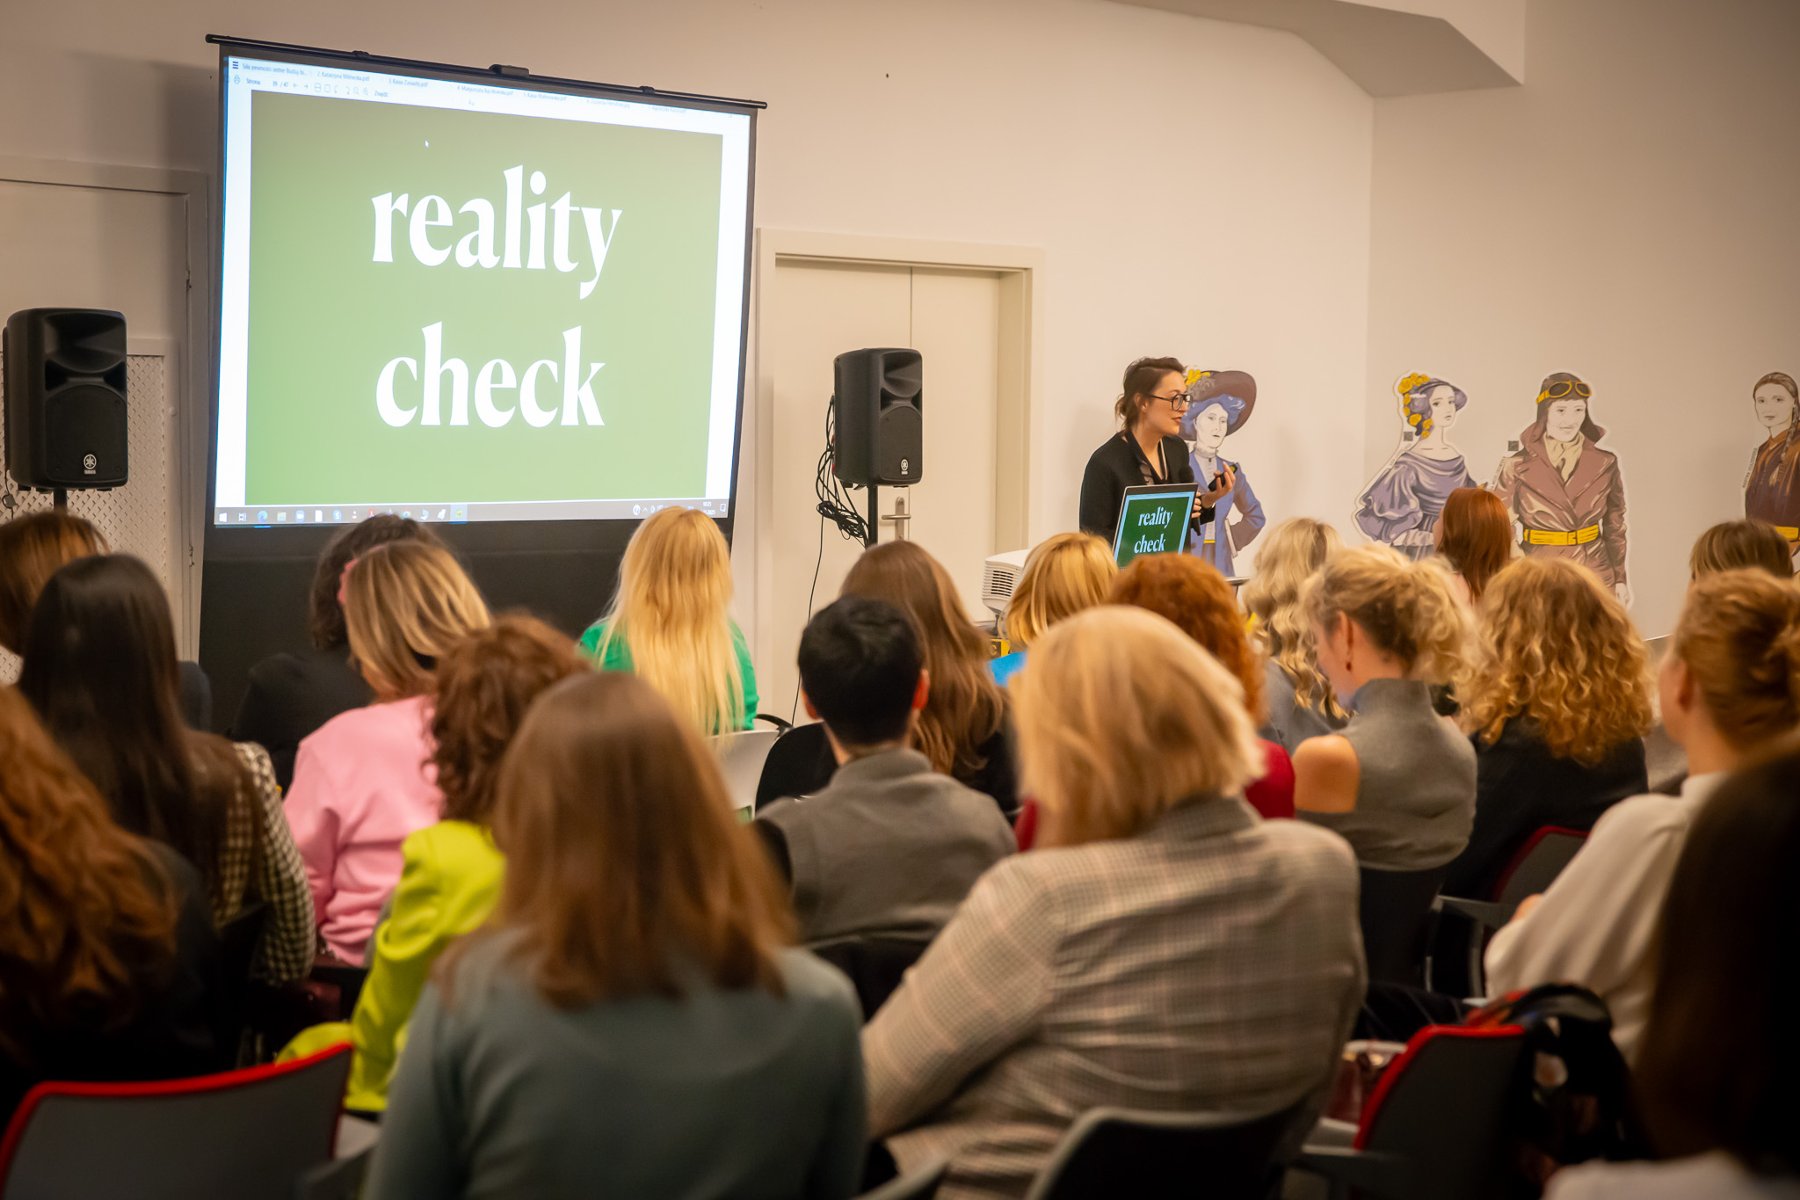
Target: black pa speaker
65,398
880,435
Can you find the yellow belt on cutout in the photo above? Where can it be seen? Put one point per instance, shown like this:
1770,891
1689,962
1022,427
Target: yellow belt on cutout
1789,532
1562,537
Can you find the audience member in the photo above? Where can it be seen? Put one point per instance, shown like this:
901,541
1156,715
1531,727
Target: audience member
1398,782
1191,593
671,625
889,847
1730,685
109,968
632,1024
450,879
1063,575
1163,949
1299,700
290,695
963,729
100,670
1475,538
1721,1050
364,781
34,547
1747,543
1557,699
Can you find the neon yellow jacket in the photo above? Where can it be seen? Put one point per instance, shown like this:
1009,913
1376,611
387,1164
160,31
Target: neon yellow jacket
449,883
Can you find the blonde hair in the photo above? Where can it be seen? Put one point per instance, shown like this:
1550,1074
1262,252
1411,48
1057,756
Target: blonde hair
964,707
1739,636
1555,647
405,605
34,547
1292,553
1063,575
1122,717
1406,608
673,612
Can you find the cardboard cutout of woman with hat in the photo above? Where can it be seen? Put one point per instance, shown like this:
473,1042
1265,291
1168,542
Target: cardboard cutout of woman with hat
1219,402
1566,494
1401,505
1772,488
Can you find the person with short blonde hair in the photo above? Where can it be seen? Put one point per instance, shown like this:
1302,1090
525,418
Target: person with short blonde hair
1730,687
670,622
363,781
1063,575
1299,699
1556,697
1136,743
1398,781
1746,543
635,1020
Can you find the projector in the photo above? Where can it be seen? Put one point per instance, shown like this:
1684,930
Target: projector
998,577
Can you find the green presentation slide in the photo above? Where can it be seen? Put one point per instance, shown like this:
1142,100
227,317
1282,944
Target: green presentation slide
476,305
1153,523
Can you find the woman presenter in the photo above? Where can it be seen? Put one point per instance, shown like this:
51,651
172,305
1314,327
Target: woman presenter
1148,449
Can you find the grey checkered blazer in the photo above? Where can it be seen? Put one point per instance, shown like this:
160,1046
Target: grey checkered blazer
1210,964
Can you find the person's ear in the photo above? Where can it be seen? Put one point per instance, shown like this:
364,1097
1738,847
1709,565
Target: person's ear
922,690
806,701
1685,687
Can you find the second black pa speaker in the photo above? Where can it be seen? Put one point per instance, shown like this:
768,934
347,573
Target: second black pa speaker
65,398
880,432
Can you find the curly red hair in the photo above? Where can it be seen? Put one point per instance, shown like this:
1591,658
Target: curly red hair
1196,598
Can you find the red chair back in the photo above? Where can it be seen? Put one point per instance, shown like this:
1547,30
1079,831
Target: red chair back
1442,1107
245,1134
1539,861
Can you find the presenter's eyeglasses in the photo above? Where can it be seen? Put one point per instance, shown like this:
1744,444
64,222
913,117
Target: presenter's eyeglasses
1179,401
1561,389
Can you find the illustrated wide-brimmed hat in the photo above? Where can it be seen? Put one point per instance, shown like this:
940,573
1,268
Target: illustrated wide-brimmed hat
1204,386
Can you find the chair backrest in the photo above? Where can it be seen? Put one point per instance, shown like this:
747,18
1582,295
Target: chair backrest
339,1179
1442,1107
1539,861
741,758
875,966
1395,911
245,1134
1118,1152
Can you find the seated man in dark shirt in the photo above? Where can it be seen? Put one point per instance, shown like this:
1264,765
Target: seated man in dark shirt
889,847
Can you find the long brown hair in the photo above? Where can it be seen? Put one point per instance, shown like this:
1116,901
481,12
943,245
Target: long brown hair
1475,536
965,707
32,549
1721,1049
1193,595
625,866
87,926
100,668
1742,543
1554,646
484,685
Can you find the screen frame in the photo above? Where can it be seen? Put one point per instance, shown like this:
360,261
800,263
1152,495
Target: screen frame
1144,490
553,536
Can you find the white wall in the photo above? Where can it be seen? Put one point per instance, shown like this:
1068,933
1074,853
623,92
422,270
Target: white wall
1199,188
1629,215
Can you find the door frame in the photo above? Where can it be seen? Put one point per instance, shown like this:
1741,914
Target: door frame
190,383
1020,369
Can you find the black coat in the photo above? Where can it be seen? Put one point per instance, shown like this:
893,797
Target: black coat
290,696
1115,466
801,763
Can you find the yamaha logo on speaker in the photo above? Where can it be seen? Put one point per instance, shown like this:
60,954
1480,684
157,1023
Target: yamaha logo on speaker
906,467
89,464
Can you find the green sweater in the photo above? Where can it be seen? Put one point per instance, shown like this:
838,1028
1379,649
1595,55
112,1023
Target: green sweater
618,658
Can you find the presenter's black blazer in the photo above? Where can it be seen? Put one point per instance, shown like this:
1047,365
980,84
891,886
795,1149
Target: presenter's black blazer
1115,466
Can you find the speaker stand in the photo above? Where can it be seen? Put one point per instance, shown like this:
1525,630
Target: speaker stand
900,518
872,530
59,498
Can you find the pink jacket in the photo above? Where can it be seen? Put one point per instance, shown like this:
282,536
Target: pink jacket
362,783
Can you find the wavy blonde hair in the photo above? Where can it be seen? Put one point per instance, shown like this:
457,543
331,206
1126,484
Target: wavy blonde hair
1293,552
1122,717
405,604
1405,608
1739,635
1555,647
1063,575
964,707
673,611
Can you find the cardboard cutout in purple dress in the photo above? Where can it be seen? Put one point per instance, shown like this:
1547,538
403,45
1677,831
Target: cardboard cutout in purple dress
1401,505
